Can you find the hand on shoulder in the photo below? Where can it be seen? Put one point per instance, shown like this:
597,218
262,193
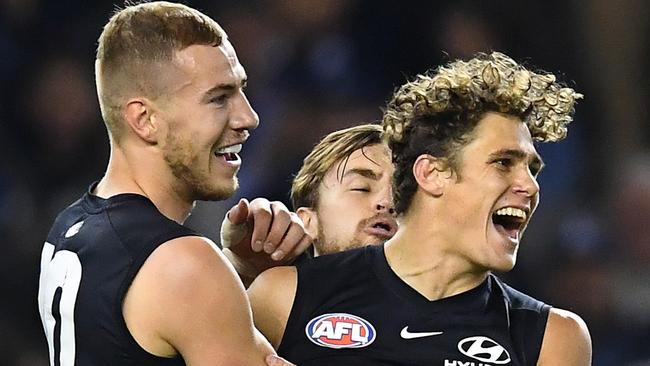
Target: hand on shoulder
260,235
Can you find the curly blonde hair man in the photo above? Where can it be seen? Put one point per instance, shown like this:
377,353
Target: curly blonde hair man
437,112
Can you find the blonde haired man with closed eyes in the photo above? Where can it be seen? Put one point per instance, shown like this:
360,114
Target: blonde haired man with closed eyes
342,192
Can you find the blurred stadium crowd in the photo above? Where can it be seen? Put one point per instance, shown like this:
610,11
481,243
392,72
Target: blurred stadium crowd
319,65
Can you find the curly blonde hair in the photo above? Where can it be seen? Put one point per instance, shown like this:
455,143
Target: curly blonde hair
436,113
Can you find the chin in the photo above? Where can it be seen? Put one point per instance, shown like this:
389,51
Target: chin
503,268
323,247
504,264
217,192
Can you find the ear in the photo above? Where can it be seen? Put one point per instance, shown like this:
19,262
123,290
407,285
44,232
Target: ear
309,219
141,119
432,174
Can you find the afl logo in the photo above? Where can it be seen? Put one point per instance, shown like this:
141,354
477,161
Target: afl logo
340,330
484,349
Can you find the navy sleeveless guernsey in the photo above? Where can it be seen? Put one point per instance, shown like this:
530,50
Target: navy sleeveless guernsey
92,254
352,309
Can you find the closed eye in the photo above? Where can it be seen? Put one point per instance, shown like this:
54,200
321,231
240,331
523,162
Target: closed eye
360,189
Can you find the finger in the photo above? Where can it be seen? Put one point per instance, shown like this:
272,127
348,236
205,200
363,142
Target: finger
289,243
281,222
261,214
302,246
274,360
238,213
305,242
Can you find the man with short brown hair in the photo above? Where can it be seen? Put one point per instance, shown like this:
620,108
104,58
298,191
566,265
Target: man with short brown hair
123,282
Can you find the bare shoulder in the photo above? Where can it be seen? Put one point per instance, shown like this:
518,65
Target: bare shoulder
189,264
189,257
276,277
275,287
566,340
272,295
187,299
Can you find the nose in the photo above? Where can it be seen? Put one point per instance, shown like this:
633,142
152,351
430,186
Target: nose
390,209
385,202
526,183
242,115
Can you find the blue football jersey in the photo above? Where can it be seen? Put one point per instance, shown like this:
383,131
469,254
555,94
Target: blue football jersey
352,309
92,254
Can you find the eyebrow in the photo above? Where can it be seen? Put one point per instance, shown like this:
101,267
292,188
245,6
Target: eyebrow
520,155
366,173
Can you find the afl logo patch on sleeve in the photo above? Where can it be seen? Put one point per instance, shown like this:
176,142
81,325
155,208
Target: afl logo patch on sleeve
340,330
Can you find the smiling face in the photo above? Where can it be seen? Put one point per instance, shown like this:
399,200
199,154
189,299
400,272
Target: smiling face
355,202
207,117
487,209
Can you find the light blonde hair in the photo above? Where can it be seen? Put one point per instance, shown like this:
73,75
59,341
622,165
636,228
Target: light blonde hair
135,46
436,113
332,149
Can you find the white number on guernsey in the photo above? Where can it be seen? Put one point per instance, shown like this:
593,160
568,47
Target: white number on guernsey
57,293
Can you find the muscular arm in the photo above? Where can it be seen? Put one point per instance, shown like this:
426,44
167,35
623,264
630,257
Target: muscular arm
566,340
272,295
187,299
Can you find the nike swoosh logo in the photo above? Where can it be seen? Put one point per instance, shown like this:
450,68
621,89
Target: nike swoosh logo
408,335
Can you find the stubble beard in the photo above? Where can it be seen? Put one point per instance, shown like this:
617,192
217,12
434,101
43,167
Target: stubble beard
326,245
196,183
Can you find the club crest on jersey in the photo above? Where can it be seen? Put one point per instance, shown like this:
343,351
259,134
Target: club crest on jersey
340,330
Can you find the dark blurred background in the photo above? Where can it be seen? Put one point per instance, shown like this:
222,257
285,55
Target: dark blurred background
319,65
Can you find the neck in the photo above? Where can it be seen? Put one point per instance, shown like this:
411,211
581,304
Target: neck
419,256
146,175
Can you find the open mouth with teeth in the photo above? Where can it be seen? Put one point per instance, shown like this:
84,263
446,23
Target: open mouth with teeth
509,221
229,153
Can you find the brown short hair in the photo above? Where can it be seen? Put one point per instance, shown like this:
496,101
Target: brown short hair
136,42
437,112
333,148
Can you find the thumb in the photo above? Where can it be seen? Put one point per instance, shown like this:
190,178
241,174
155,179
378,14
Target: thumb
233,227
239,213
